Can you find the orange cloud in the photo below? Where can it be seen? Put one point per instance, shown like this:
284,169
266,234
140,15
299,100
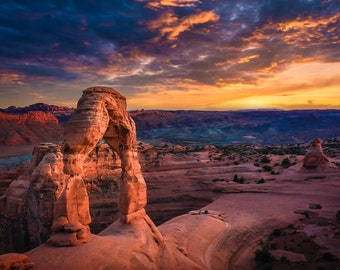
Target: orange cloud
11,79
272,66
166,18
247,58
170,3
307,23
303,32
171,27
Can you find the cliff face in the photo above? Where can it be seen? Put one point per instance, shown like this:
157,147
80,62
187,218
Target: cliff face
29,128
27,205
61,112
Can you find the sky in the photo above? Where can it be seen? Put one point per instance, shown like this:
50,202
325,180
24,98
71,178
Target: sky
173,54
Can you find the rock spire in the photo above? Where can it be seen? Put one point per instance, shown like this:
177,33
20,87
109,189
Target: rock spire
315,159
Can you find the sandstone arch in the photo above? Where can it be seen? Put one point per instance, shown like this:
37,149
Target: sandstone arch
101,113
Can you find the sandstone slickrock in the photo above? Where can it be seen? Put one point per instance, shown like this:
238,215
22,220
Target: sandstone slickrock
12,261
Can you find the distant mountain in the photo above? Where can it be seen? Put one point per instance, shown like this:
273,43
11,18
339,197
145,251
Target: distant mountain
262,127
29,128
224,127
61,112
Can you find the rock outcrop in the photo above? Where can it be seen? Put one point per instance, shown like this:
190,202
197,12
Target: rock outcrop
32,127
100,114
27,205
12,261
61,112
315,159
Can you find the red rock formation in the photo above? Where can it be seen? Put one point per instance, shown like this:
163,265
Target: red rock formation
315,159
27,205
61,112
12,261
32,127
101,113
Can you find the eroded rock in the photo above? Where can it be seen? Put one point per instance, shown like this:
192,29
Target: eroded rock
315,159
100,114
12,261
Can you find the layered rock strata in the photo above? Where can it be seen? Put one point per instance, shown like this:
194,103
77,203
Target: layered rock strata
28,128
27,205
100,114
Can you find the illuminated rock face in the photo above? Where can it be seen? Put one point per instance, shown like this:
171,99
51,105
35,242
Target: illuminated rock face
315,156
100,114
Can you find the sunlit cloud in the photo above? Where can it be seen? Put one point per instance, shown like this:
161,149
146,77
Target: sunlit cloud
170,3
11,79
37,95
247,58
170,27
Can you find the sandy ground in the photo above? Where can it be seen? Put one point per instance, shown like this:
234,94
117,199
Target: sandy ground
222,235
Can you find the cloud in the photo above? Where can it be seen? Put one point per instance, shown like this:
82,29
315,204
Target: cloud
247,58
143,46
170,26
170,3
37,95
11,79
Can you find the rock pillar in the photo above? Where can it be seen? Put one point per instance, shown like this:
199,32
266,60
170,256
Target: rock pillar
71,212
315,156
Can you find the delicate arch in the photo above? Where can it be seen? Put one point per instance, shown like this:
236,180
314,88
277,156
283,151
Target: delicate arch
101,113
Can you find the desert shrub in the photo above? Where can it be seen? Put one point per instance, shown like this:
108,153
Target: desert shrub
337,216
286,163
267,168
218,180
256,164
273,245
284,259
240,180
306,213
329,257
263,255
265,159
261,181
322,222
314,206
277,232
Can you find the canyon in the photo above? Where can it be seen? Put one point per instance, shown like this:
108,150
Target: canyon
256,127
29,128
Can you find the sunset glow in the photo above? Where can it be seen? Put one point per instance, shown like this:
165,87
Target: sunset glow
173,54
